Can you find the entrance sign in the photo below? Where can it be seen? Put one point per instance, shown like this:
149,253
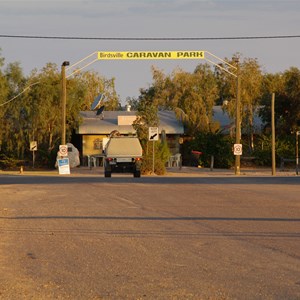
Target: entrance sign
138,55
161,55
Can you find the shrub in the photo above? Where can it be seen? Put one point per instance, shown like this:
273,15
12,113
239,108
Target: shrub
213,144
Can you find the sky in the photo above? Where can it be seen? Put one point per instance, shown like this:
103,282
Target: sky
148,19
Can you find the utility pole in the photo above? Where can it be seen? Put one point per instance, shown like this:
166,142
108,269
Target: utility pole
273,135
63,101
237,168
297,152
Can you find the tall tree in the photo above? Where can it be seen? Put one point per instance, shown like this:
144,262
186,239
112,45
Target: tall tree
3,98
44,110
286,87
14,117
190,94
147,116
251,91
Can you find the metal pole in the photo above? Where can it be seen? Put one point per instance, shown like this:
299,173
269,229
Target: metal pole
33,159
297,153
238,123
273,135
63,101
153,157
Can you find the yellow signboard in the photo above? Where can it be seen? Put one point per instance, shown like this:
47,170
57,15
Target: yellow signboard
137,55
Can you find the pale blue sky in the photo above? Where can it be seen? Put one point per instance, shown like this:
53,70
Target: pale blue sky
142,18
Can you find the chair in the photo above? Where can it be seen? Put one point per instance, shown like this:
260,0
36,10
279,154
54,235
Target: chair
177,160
91,161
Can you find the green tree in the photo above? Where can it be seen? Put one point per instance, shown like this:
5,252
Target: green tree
251,92
147,116
4,91
14,118
286,87
190,94
88,85
133,102
212,144
43,104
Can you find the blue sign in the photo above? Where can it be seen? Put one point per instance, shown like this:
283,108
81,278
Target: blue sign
63,166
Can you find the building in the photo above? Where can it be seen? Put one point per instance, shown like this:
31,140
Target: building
95,129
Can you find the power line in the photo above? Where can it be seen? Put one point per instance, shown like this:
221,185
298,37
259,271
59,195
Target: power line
15,97
149,38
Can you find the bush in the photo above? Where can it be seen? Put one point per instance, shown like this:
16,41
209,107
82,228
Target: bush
162,154
285,147
9,162
212,144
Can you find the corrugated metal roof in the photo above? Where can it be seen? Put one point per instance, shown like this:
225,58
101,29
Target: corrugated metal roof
221,116
106,123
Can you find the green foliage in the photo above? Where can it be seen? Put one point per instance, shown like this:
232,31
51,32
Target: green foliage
147,116
191,95
212,144
284,146
286,87
36,114
161,156
7,162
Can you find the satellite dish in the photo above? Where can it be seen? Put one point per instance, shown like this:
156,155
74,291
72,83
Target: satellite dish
97,102
100,110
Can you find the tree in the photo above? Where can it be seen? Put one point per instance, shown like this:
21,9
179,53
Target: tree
14,119
43,102
286,87
3,98
147,116
251,83
191,94
88,85
133,102
35,112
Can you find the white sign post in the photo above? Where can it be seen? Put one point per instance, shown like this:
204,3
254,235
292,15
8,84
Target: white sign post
153,136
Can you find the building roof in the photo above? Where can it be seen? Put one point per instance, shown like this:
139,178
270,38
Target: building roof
122,121
111,120
226,123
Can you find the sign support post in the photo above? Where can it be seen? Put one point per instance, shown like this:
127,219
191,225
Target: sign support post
153,136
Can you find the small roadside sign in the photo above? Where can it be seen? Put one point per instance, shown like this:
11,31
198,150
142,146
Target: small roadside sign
153,134
238,149
63,166
33,146
63,150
